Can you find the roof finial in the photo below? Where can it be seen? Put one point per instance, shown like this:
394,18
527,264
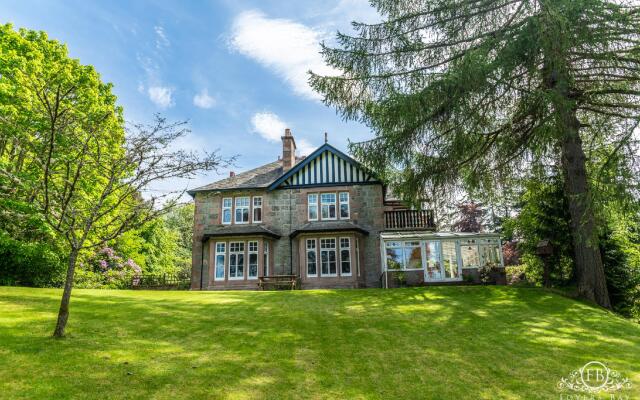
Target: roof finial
325,137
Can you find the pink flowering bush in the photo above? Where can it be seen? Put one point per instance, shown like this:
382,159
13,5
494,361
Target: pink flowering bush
106,269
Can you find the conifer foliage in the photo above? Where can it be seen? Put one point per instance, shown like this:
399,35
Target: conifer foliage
474,91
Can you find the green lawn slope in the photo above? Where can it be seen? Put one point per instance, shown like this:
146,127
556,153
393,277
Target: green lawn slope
417,343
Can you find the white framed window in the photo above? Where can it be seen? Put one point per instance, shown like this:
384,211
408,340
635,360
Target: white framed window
312,258
236,260
312,206
344,205
257,209
345,256
219,261
226,210
265,259
328,265
403,255
242,210
328,205
253,260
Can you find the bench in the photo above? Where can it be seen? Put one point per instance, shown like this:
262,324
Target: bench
278,282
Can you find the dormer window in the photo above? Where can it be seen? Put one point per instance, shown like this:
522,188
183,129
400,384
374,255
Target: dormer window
328,205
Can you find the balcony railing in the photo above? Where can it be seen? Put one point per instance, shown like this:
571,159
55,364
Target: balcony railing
409,219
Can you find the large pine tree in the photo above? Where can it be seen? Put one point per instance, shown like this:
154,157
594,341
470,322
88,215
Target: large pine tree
477,90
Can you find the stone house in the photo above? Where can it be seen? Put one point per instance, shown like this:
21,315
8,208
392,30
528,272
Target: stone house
325,220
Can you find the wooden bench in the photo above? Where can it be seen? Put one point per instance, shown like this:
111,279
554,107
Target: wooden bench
278,282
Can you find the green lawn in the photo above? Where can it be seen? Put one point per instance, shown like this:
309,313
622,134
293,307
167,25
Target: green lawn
438,342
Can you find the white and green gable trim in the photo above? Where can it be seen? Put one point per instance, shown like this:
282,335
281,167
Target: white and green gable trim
327,166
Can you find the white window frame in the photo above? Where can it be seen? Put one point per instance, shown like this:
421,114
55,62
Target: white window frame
335,207
220,250
249,254
341,202
313,250
230,208
265,258
254,207
402,245
348,248
314,204
236,253
328,250
237,208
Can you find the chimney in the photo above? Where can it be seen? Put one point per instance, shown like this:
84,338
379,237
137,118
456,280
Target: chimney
232,174
288,150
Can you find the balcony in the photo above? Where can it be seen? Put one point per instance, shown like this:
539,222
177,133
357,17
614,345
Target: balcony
409,220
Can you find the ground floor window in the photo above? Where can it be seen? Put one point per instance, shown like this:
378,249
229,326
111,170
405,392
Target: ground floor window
236,260
219,261
312,264
328,257
345,256
442,258
404,255
253,260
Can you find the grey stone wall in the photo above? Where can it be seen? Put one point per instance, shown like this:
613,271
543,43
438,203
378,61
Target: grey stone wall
284,211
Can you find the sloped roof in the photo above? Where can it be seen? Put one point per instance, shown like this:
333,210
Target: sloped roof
338,168
329,226
260,177
239,230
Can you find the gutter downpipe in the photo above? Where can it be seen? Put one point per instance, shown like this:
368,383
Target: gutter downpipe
290,239
201,263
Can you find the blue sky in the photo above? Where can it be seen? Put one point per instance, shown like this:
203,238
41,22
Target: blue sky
235,69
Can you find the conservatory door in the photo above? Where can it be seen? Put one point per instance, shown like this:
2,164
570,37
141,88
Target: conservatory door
432,264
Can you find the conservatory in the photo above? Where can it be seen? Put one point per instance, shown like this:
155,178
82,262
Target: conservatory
415,258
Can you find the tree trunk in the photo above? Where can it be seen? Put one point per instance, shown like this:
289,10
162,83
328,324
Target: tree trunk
588,262
63,313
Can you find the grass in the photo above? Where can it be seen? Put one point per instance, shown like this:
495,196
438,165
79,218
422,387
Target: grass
416,343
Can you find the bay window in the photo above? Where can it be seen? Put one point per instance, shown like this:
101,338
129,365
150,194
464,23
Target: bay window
236,260
219,261
328,257
253,260
312,264
345,257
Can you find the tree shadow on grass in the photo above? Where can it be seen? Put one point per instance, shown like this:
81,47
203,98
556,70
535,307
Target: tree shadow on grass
442,342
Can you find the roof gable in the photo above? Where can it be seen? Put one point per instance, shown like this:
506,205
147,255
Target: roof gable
325,167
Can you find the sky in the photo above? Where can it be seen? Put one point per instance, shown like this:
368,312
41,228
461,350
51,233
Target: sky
235,69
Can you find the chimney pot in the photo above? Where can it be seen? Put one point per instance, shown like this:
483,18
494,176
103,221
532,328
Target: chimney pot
232,174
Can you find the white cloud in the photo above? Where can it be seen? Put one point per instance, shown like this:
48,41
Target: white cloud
304,148
204,100
161,96
289,48
161,38
268,125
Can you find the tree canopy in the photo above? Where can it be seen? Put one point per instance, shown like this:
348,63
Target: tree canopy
480,91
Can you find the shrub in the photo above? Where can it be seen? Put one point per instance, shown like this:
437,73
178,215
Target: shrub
106,269
29,263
